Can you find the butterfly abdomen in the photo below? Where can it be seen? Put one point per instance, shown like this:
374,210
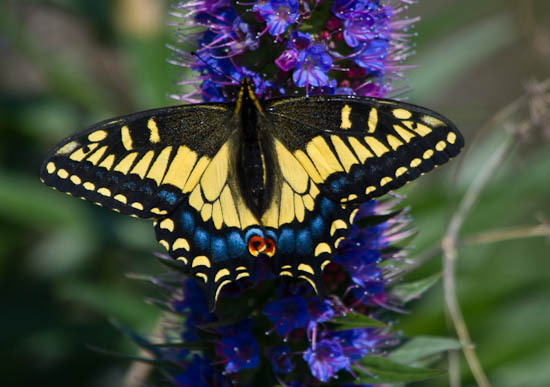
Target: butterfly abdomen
253,172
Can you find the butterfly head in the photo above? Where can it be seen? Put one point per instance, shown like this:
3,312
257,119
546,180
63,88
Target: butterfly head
246,97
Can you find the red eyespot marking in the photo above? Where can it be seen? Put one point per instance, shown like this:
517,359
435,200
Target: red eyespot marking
269,247
258,245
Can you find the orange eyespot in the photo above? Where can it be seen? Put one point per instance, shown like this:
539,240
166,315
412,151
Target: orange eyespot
256,245
269,247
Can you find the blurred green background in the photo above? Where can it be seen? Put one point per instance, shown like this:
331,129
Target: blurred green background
68,63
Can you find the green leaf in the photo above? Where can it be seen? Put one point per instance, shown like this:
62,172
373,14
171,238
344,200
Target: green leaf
18,202
408,291
420,347
353,321
472,45
376,369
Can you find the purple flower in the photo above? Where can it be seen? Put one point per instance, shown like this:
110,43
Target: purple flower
199,373
374,293
372,56
361,272
287,314
280,358
372,89
358,31
287,60
366,25
326,359
299,40
243,37
319,310
238,352
348,8
212,92
193,304
278,14
312,67
357,343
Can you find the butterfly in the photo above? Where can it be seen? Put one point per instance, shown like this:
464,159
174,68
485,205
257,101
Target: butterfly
229,184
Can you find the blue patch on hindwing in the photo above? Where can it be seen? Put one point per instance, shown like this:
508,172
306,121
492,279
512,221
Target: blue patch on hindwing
202,239
337,184
130,186
170,197
303,242
187,221
271,234
326,207
219,249
317,227
236,245
287,242
254,231
148,190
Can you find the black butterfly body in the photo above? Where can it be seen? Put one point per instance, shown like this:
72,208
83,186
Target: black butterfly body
231,183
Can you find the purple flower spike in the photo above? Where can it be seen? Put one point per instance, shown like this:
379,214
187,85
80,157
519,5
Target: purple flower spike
228,40
312,67
326,359
287,314
238,352
290,48
278,14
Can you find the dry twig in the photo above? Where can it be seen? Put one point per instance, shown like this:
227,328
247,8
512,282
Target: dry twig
536,96
139,371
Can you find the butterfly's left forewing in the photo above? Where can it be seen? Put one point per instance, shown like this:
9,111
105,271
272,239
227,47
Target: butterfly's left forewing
142,164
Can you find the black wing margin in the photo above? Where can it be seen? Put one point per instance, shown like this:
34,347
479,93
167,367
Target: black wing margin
140,164
359,148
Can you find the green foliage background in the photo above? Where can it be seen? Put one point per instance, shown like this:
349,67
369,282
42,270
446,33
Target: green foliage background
68,63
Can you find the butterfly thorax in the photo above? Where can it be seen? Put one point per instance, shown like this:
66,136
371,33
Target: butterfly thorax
252,171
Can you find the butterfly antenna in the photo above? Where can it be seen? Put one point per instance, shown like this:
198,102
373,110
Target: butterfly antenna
218,71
